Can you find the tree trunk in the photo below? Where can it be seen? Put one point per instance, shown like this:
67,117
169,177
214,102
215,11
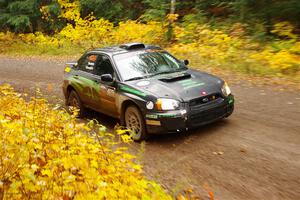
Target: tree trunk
173,6
170,28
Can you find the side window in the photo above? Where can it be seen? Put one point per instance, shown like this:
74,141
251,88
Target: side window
87,63
103,66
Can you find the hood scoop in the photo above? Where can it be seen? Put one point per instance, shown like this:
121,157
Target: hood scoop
175,77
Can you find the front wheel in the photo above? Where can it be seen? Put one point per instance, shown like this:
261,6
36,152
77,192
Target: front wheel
135,122
74,102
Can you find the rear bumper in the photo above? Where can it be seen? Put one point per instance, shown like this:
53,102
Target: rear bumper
189,118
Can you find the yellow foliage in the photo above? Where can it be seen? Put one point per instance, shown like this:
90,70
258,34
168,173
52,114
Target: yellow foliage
132,31
284,29
40,39
282,60
212,45
203,42
45,12
88,32
8,36
47,154
70,9
172,17
296,48
208,45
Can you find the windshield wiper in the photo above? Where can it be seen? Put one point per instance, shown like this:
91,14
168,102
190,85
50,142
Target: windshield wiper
167,72
137,78
154,74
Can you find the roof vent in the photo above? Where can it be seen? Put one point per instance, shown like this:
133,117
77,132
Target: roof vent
131,46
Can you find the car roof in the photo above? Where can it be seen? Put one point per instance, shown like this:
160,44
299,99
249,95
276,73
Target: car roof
125,48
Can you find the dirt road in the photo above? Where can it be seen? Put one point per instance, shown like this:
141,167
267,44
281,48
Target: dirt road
255,154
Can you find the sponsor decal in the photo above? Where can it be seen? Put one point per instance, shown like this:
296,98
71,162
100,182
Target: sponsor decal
68,69
110,92
192,86
151,116
91,63
162,115
167,115
187,84
132,91
89,67
153,122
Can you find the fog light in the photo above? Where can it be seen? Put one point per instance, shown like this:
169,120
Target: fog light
183,112
149,105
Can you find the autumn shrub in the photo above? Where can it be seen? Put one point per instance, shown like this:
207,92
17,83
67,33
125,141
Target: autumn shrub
47,154
212,47
84,33
235,51
281,55
130,31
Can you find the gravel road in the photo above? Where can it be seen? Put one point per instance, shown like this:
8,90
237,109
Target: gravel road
255,154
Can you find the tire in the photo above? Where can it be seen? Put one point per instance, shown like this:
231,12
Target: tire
135,122
74,101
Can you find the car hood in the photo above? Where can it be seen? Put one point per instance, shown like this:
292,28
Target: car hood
184,86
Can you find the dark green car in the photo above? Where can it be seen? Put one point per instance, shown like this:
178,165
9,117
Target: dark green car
147,88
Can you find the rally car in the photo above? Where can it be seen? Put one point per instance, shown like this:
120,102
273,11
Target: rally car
147,88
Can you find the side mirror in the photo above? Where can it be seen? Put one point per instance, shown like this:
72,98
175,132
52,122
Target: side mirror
72,64
107,78
186,62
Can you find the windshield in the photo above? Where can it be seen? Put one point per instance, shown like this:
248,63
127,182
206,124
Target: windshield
136,65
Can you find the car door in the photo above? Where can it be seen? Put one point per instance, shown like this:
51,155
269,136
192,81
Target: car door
84,81
106,91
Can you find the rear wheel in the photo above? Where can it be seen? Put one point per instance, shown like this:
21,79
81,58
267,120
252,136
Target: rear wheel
135,122
74,103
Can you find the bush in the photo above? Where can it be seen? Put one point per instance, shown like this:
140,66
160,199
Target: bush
234,51
133,31
47,154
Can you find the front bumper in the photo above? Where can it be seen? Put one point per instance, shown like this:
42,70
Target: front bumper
189,117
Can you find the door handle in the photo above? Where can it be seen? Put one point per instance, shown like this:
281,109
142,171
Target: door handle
76,77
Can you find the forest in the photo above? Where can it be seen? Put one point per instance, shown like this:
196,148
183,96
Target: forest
248,36
24,16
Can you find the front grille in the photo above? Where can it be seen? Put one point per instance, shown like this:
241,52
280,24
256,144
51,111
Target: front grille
202,117
204,99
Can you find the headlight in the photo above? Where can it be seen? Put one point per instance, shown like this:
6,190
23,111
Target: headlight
226,90
167,104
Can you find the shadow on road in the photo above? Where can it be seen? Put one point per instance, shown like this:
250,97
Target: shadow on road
174,138
203,131
105,120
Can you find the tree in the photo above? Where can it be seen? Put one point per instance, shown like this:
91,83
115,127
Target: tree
19,15
115,11
156,9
